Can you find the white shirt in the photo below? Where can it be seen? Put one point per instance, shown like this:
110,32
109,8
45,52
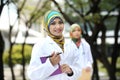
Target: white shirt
84,51
39,71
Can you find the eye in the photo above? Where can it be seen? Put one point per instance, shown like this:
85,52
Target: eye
53,23
73,31
60,22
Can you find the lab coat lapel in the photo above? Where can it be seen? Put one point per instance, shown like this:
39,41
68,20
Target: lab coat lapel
55,45
73,44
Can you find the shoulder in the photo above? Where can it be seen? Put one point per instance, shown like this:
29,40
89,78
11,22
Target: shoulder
40,46
41,43
84,42
68,42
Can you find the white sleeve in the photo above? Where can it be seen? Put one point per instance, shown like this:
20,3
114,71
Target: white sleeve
37,70
76,73
88,54
76,68
89,57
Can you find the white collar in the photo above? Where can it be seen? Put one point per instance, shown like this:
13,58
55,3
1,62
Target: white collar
50,41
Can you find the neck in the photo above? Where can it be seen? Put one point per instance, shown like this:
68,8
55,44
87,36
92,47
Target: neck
76,40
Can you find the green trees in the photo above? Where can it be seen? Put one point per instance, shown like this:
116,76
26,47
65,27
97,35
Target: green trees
29,13
17,54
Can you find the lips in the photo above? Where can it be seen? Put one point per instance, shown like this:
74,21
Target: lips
58,31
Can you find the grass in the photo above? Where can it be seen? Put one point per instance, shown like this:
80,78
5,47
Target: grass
103,70
118,67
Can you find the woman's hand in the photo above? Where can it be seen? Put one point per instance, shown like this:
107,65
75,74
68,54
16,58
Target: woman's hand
55,59
66,69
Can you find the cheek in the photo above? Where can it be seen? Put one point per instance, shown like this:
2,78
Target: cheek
79,33
51,29
72,34
62,27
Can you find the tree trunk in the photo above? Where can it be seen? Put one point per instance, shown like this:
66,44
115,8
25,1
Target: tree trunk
23,61
95,71
1,57
10,54
1,6
23,50
10,62
115,53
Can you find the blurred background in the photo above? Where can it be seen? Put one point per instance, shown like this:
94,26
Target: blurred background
21,27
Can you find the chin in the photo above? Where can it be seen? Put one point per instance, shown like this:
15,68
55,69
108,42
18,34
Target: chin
77,37
58,35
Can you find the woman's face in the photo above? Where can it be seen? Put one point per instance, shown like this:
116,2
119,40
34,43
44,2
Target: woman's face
76,33
56,27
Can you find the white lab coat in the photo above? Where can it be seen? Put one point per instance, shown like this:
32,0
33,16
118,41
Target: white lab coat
39,71
85,52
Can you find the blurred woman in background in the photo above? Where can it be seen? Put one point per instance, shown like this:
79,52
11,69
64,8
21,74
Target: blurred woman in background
83,49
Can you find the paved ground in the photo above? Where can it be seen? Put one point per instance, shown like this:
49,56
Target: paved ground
18,76
17,71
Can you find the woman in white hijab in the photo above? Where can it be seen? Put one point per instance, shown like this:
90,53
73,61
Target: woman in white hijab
83,49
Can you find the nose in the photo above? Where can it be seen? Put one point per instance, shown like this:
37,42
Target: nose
58,25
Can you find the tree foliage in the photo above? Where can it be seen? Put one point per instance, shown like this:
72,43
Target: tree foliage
16,54
29,13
